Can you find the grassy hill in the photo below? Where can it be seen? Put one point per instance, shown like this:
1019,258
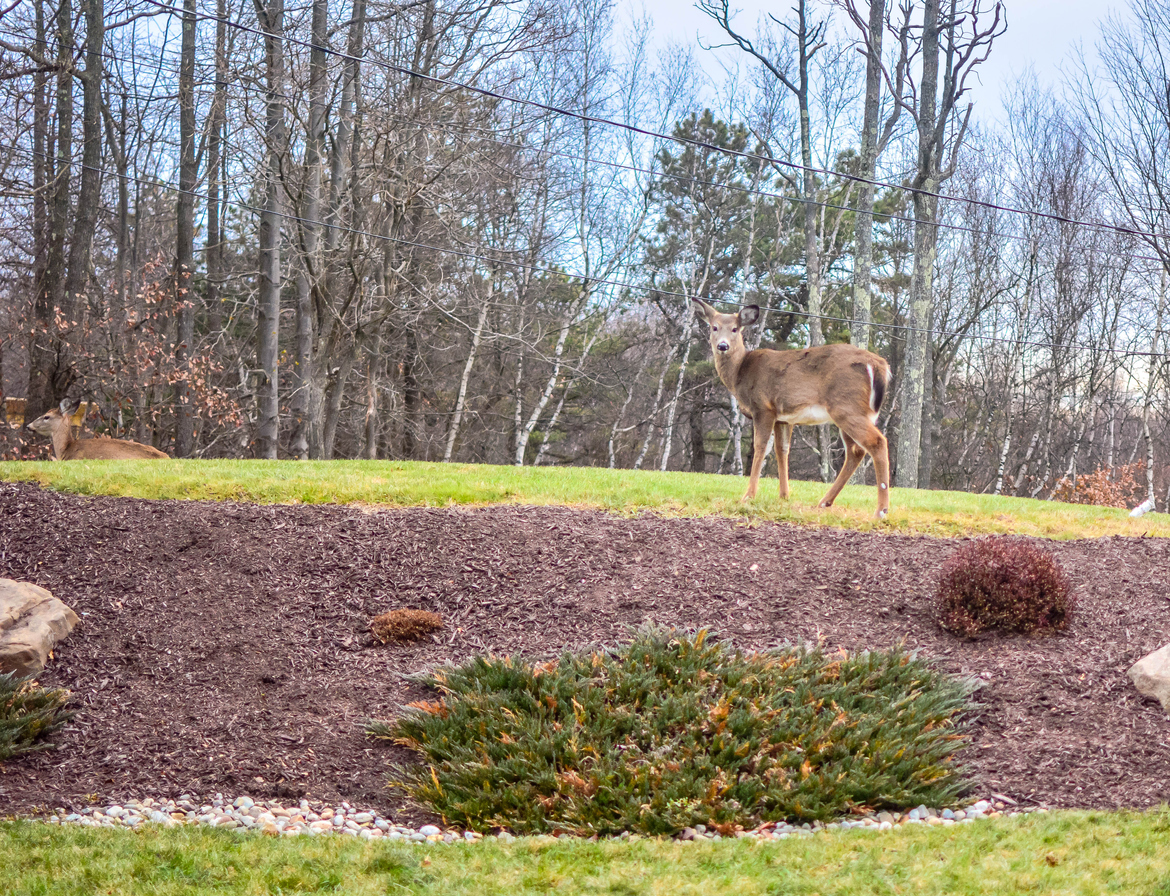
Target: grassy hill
406,484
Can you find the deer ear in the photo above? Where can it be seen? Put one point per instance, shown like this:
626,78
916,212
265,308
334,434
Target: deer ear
704,309
749,315
69,408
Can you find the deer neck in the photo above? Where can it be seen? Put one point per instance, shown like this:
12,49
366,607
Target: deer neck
727,365
62,438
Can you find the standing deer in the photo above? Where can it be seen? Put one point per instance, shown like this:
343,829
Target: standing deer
57,424
778,390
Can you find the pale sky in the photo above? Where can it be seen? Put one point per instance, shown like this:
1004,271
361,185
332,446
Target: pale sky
1040,32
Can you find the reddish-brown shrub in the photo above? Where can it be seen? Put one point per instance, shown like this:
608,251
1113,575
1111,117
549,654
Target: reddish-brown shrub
1003,583
1104,487
404,625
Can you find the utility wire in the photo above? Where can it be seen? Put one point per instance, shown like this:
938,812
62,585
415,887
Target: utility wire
622,284
682,178
645,132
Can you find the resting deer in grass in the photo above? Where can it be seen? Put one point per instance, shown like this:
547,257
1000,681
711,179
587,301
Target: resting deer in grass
779,390
57,424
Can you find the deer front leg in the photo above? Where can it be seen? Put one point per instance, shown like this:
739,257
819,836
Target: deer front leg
783,433
761,431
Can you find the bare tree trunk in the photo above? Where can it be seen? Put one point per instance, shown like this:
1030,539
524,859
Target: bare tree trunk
185,236
657,407
926,184
334,392
344,150
89,191
309,270
270,281
215,127
736,438
671,409
48,368
40,160
558,360
926,460
461,399
870,148
1147,405
617,424
556,414
370,451
1022,473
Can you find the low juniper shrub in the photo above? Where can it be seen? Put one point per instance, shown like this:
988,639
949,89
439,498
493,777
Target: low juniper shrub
674,730
1003,583
29,714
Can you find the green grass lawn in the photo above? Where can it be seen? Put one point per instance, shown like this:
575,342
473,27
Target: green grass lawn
1056,853
408,484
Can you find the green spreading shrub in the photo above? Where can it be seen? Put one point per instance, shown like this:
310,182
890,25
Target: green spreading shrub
28,715
674,730
1003,583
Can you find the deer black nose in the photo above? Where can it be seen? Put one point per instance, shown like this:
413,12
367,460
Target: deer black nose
723,346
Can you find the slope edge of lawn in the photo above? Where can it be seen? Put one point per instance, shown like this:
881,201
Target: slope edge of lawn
630,492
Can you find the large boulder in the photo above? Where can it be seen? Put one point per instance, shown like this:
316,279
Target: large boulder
32,621
1151,676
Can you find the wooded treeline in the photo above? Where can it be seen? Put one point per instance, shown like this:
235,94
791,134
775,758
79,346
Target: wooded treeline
468,231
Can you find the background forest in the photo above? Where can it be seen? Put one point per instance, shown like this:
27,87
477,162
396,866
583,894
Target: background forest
469,231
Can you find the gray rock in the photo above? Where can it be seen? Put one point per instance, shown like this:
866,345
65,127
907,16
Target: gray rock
429,830
32,623
1151,676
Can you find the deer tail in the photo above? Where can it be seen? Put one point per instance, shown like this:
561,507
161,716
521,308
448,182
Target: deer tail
878,381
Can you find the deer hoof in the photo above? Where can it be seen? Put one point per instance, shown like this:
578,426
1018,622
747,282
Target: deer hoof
881,514
825,504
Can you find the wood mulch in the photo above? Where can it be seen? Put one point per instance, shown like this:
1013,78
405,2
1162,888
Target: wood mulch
225,647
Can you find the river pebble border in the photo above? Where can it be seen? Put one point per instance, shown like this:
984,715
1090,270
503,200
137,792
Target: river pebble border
316,819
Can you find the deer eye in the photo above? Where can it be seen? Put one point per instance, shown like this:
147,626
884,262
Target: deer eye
714,328
735,329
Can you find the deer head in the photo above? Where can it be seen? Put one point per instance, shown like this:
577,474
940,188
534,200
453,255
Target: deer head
726,330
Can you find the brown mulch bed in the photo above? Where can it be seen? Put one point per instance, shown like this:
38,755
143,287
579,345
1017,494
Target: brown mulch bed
225,647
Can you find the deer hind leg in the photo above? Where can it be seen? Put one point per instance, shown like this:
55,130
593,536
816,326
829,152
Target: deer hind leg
783,434
854,454
761,431
870,439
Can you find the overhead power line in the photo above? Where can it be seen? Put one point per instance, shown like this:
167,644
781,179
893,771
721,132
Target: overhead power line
622,284
646,132
256,87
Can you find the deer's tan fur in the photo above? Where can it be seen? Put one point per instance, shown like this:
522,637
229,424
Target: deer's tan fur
777,390
57,425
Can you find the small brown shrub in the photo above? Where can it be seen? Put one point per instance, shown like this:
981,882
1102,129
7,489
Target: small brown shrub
405,625
1104,487
1003,583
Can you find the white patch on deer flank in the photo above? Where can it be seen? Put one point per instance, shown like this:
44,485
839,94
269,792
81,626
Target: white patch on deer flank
813,415
872,394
